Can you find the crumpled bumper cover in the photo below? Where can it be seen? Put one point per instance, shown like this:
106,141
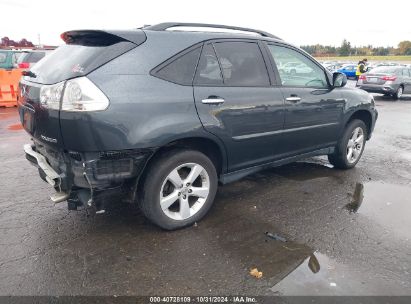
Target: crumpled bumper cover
69,170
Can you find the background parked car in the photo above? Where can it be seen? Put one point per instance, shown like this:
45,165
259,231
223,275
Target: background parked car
294,68
9,58
387,80
348,70
28,59
333,67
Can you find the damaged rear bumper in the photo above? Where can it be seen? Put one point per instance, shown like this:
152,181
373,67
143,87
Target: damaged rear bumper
51,176
84,176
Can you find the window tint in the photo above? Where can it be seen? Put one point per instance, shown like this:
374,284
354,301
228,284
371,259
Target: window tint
34,57
3,56
15,57
208,71
242,64
398,72
182,69
305,74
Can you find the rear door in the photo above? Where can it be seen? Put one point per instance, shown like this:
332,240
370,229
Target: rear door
236,102
407,80
313,109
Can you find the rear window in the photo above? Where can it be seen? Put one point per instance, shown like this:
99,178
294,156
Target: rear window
73,60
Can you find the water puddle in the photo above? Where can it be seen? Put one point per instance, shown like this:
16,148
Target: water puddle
387,204
319,275
305,170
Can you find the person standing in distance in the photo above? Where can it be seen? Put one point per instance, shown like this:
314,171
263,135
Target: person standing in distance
361,68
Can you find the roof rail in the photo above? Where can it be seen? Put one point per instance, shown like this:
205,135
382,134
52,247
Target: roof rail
166,25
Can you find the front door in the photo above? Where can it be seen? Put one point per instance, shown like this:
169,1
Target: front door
235,101
313,108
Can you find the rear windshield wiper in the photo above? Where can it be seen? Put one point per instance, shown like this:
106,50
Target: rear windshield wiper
29,73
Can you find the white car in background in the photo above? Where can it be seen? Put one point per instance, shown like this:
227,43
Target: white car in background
294,68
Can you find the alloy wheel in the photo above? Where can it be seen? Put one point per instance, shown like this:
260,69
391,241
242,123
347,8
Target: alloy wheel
355,145
184,191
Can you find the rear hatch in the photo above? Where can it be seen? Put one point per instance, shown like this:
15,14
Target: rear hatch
83,52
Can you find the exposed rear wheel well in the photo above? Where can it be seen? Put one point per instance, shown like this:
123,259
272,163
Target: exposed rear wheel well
203,145
363,115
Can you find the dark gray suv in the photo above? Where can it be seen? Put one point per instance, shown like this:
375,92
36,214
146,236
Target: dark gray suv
161,117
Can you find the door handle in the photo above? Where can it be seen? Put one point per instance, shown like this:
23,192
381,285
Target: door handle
214,100
293,99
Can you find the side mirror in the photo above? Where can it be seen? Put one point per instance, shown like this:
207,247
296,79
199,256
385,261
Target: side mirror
339,79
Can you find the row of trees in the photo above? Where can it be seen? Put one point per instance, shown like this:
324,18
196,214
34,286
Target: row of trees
6,41
346,49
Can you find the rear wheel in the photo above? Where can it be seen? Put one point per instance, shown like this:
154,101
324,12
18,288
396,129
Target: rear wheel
399,92
351,146
178,189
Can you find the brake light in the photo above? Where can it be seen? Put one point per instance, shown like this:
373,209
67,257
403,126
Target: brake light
389,78
362,77
74,95
24,65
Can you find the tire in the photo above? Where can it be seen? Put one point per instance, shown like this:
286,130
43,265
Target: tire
341,157
160,184
399,92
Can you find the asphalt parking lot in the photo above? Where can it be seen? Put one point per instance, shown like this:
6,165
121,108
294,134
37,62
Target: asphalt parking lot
346,232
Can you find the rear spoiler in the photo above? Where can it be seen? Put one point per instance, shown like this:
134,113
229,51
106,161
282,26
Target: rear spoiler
103,38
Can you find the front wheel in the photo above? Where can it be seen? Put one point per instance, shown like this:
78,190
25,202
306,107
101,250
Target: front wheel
179,189
351,146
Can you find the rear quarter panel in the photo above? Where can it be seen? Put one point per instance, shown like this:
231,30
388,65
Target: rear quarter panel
144,112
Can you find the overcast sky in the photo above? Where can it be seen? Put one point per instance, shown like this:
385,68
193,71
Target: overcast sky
362,22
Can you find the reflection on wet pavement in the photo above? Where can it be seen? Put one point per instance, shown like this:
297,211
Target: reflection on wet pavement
386,204
304,170
318,275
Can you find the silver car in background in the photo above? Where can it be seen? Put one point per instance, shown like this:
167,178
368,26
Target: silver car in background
388,80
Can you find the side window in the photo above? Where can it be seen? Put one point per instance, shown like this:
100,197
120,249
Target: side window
182,69
405,73
242,64
303,72
3,56
35,57
208,70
